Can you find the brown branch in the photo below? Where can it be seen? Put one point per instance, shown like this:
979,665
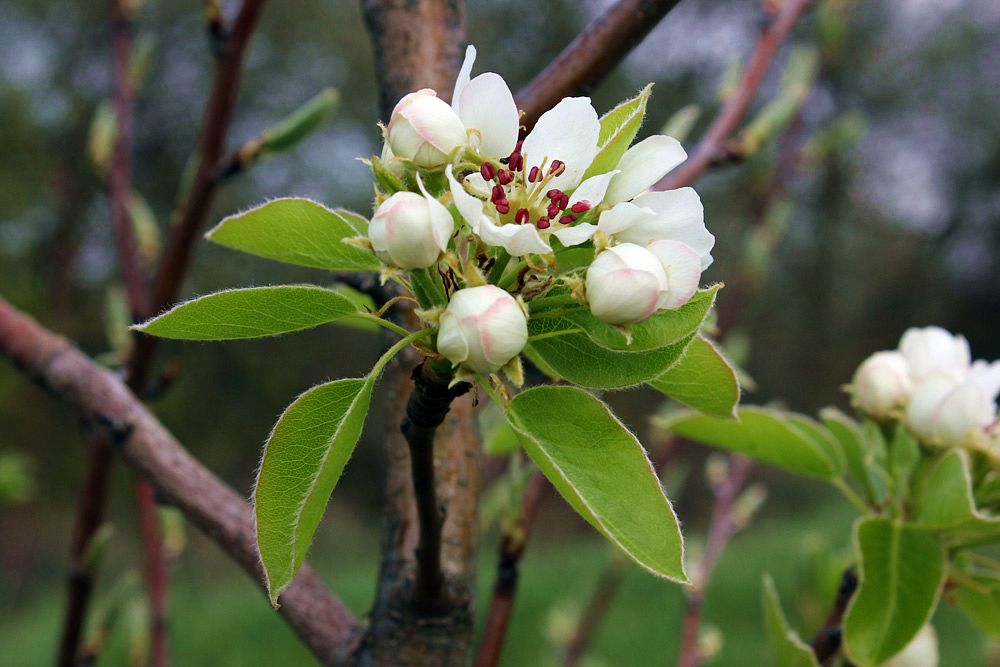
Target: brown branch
712,149
826,643
321,620
512,545
589,57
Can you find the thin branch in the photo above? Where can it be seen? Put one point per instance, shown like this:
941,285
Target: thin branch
589,57
826,643
712,149
512,545
722,526
321,620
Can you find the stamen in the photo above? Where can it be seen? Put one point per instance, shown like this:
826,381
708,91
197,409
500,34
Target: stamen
498,194
505,176
566,219
543,223
487,171
557,168
553,193
534,175
581,206
553,210
503,207
562,201
522,216
516,161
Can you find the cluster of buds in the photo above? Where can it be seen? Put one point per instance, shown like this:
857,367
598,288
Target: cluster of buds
522,202
932,384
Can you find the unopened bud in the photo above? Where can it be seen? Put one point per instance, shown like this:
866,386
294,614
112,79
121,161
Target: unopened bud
624,284
424,129
482,329
411,230
881,385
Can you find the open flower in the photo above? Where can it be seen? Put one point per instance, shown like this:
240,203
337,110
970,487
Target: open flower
951,410
486,107
424,130
411,230
482,329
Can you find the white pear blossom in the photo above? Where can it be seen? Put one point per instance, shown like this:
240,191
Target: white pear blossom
881,385
949,410
486,107
922,651
482,329
933,349
411,230
424,130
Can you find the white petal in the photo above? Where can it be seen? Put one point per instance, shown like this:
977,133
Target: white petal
643,165
468,206
487,105
571,236
592,190
442,224
478,184
451,341
463,78
622,217
518,240
987,376
567,132
683,268
679,217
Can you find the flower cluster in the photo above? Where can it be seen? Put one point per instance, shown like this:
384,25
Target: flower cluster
520,204
932,384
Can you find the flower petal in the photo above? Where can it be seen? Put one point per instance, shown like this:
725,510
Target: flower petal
478,184
575,235
623,217
643,165
592,190
463,78
679,217
567,132
468,206
487,105
682,265
442,225
518,240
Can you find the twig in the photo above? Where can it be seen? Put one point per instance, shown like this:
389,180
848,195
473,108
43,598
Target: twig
826,643
712,148
721,527
512,545
589,57
321,620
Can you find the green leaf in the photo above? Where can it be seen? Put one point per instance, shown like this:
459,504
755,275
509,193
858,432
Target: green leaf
702,380
980,603
788,648
760,433
823,439
618,128
848,434
428,288
901,576
904,455
303,459
300,123
946,504
602,471
251,312
295,231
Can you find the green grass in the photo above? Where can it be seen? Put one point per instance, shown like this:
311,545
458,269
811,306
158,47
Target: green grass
220,619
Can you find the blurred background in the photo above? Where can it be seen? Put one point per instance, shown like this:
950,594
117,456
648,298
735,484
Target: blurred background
874,207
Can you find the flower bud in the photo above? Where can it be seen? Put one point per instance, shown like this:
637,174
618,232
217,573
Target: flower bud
950,411
624,284
881,385
922,651
482,329
424,129
411,230
933,349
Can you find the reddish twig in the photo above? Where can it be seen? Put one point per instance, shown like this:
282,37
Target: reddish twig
321,620
721,527
591,55
512,545
712,148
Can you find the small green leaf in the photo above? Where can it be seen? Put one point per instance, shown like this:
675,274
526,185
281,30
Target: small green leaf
252,312
618,128
702,380
848,434
295,231
901,576
904,455
428,288
602,471
946,504
824,440
980,603
300,123
788,648
760,433
303,459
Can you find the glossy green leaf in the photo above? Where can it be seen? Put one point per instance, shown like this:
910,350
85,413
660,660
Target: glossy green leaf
946,504
760,433
296,231
902,570
252,312
702,380
787,647
602,471
618,128
303,459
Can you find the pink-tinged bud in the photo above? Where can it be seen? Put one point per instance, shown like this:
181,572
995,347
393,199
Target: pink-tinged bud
543,223
505,176
581,206
410,231
881,385
487,171
522,216
624,284
482,329
424,129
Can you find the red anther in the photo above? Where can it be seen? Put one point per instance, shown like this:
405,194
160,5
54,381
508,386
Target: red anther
553,209
581,206
498,194
487,171
557,167
553,193
522,215
503,207
534,175
563,201
543,223
505,176
566,219
516,161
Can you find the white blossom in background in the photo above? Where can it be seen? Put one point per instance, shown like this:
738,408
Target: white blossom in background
933,349
881,385
922,651
424,130
411,230
482,329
